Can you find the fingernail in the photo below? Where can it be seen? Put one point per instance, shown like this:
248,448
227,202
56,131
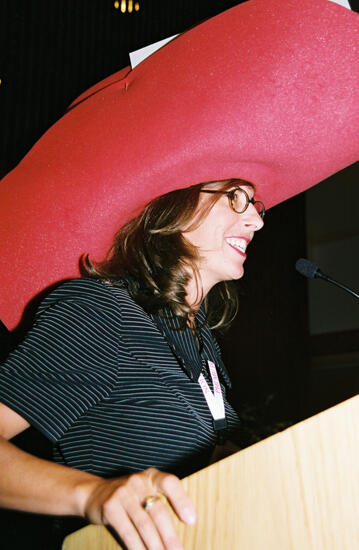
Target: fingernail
188,515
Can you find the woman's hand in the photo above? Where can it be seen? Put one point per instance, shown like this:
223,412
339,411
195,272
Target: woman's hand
46,487
118,502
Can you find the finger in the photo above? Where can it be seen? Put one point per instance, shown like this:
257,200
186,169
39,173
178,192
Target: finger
161,516
119,520
143,522
172,488
140,531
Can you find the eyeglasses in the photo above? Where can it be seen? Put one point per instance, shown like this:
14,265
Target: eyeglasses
239,200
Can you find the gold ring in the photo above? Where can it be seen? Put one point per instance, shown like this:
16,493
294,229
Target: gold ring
152,499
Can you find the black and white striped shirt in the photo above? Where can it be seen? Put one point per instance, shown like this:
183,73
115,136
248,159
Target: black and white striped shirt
113,388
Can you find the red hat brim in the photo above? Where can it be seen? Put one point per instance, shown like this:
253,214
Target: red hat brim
267,91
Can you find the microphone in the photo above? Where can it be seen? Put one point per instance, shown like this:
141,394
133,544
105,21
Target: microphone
311,271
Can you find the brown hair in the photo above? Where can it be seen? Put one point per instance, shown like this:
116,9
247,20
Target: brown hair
151,252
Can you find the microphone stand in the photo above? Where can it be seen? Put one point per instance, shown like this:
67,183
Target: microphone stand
330,280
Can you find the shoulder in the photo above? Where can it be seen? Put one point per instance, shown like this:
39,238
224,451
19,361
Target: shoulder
92,295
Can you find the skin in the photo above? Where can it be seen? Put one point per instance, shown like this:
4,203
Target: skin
46,487
219,260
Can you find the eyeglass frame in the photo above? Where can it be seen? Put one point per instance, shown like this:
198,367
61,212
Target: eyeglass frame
230,195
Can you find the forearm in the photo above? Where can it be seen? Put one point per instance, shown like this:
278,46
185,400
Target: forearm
31,484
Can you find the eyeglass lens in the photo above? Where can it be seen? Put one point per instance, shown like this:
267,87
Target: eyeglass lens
241,200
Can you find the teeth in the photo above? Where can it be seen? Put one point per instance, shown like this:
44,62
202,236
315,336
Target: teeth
241,244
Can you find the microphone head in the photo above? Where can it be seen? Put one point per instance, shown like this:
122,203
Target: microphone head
307,268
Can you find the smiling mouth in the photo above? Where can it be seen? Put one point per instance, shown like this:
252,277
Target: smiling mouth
239,244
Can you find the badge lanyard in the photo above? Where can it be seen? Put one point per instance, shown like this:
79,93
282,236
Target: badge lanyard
214,400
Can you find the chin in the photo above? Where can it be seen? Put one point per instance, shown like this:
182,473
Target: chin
234,276
238,274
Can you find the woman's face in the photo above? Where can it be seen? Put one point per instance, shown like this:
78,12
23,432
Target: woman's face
222,238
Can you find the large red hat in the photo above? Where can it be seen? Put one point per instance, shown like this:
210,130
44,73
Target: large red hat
267,91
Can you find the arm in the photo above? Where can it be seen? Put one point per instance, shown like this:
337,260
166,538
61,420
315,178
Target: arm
35,485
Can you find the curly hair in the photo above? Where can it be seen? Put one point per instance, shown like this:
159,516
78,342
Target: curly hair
152,254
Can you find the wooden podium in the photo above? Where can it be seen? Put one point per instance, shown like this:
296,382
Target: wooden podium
296,490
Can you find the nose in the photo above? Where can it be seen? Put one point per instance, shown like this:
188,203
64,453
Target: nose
252,219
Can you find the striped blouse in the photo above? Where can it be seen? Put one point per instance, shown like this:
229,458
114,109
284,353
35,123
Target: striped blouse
115,389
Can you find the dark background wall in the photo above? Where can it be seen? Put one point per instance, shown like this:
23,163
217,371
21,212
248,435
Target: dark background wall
50,53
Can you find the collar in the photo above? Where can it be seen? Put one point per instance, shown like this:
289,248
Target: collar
184,347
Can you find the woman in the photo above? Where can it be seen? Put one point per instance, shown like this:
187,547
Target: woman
119,370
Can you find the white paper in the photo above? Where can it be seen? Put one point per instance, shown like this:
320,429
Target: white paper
343,3
139,55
